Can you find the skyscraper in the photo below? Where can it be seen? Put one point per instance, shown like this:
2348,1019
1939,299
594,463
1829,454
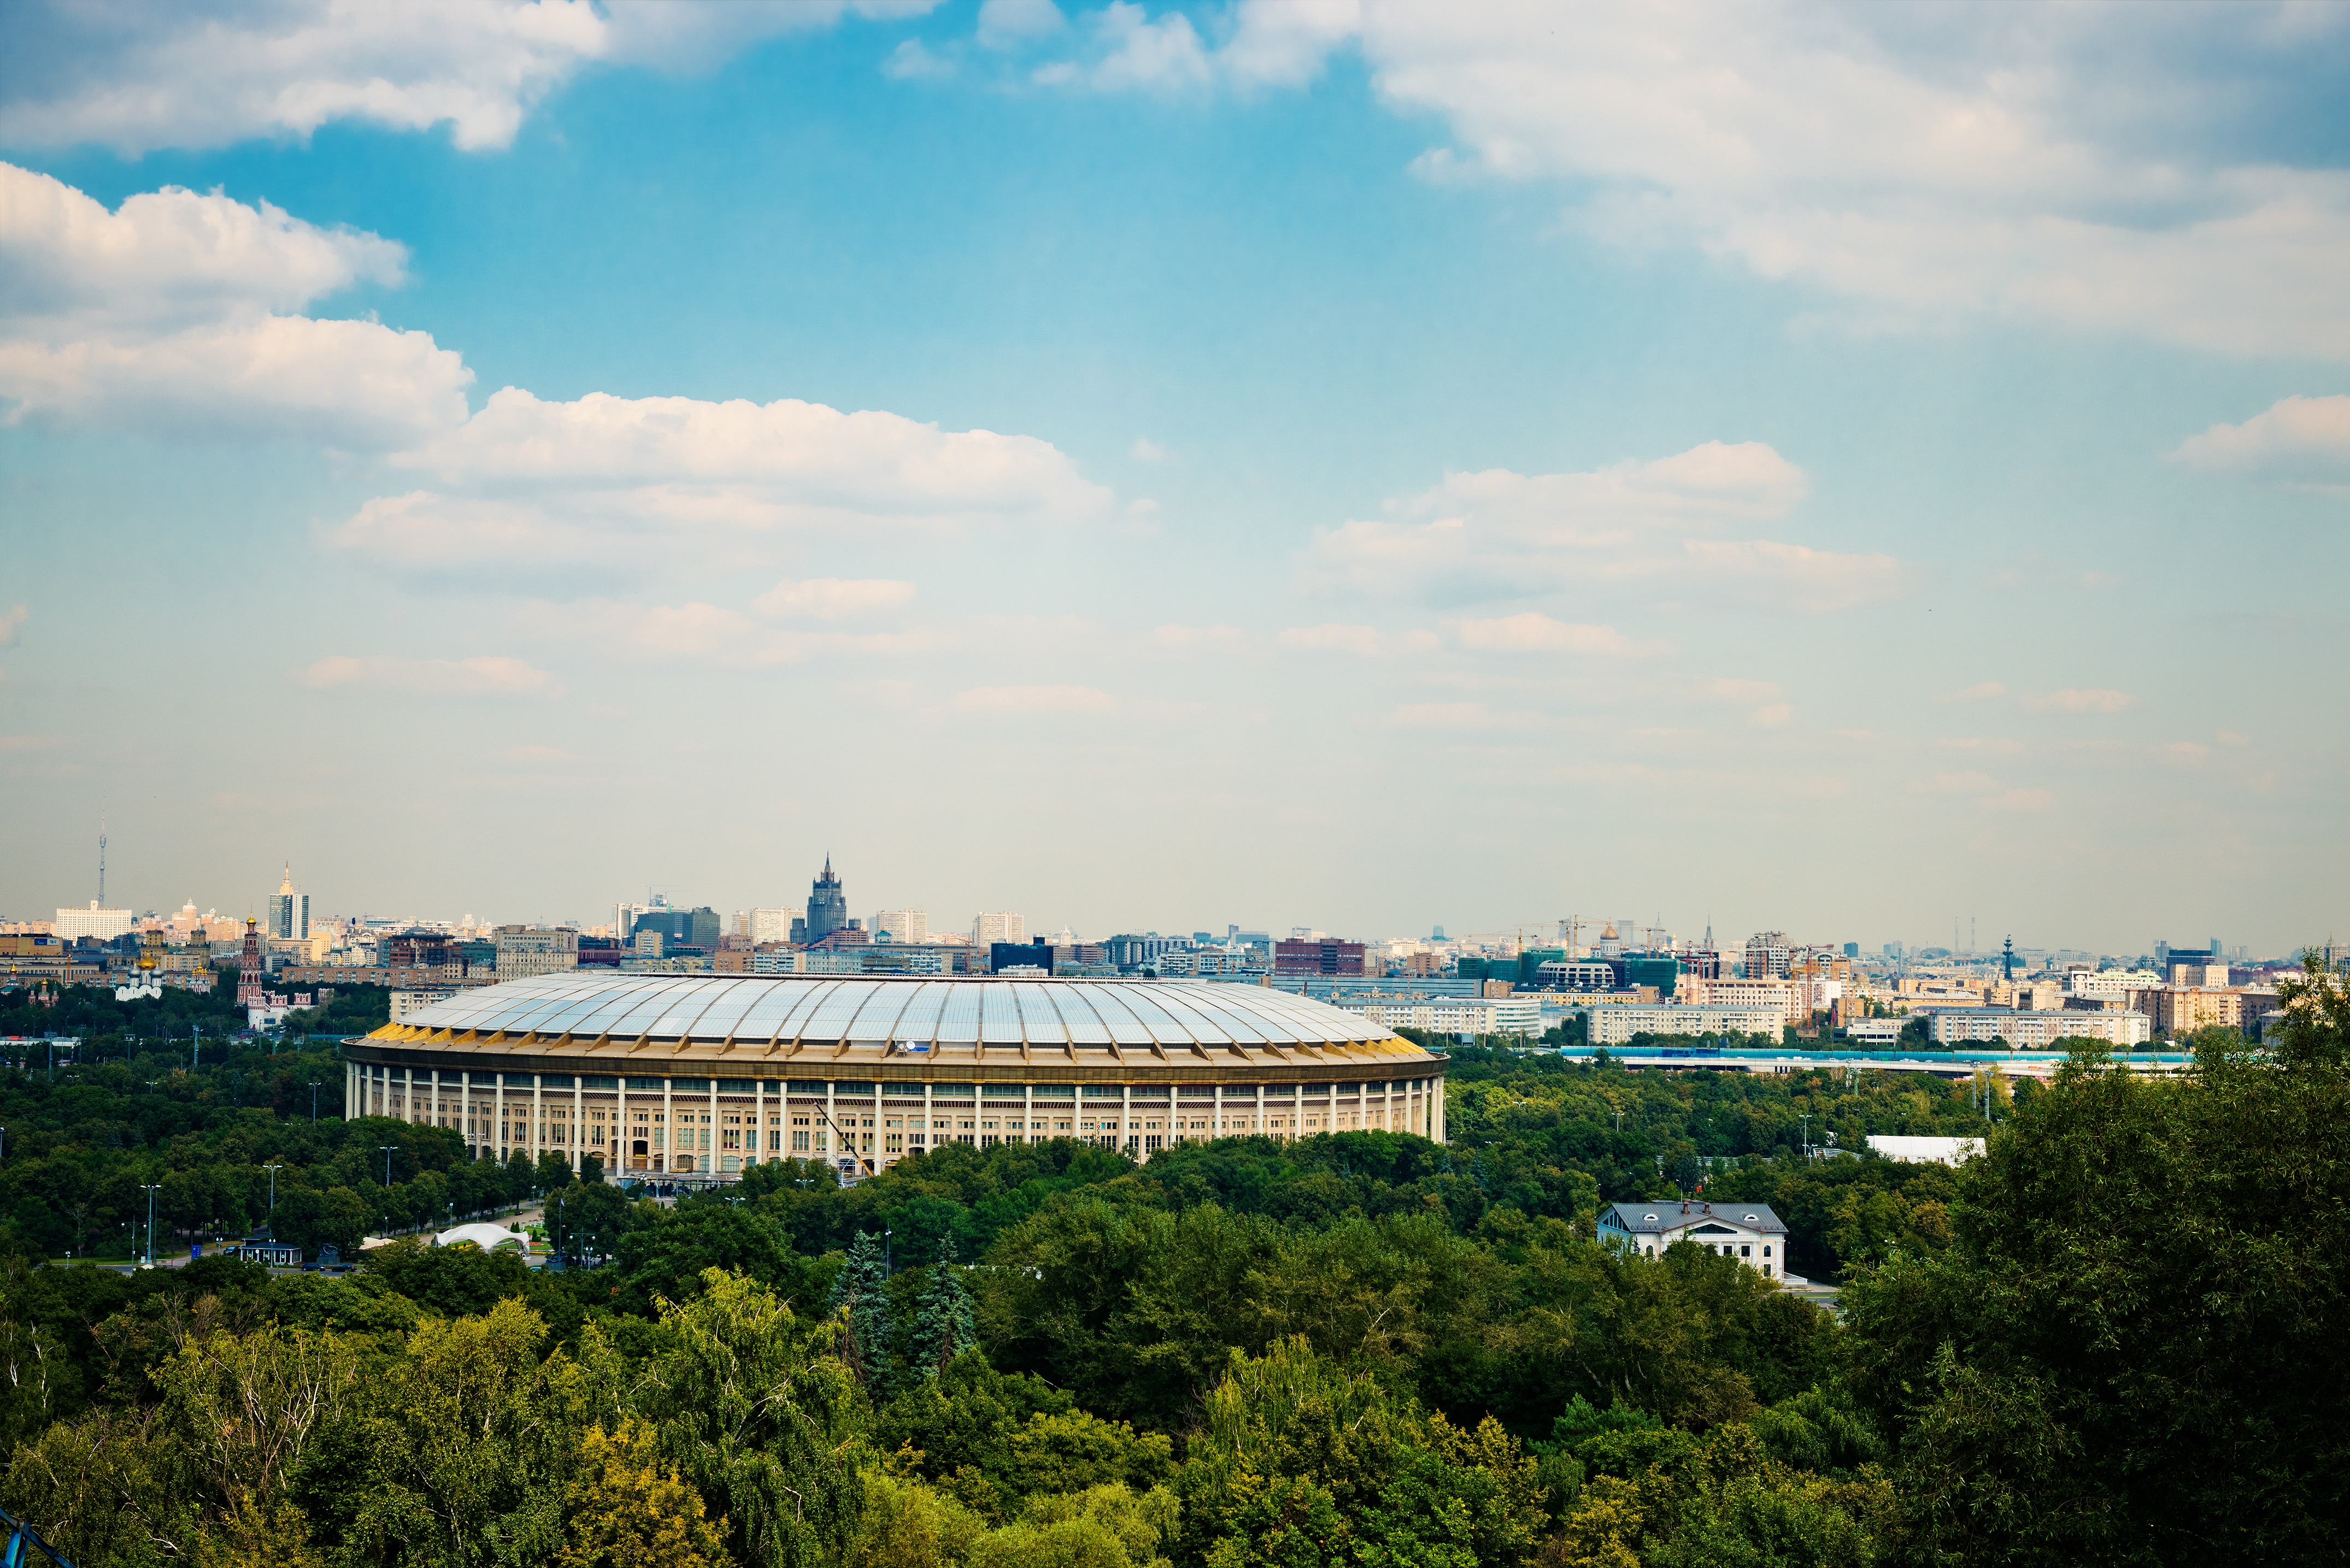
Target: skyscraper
828,907
289,911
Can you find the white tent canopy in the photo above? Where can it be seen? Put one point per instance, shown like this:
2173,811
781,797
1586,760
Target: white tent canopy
489,1238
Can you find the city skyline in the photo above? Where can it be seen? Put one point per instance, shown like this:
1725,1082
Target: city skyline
830,885
1813,472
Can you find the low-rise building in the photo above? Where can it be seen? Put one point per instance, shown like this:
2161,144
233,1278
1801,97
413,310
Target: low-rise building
1615,1024
1786,998
1465,1016
1749,1232
2037,1031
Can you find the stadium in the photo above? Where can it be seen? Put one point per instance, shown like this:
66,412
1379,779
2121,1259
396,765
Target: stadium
694,1077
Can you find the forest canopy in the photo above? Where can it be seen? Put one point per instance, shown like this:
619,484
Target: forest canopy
2110,1338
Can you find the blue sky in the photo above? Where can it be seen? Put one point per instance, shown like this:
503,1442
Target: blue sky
1825,468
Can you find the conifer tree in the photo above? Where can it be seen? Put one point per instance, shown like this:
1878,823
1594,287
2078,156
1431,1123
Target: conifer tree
946,1326
862,1291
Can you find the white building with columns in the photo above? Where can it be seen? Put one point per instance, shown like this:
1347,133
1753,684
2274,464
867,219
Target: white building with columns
701,1076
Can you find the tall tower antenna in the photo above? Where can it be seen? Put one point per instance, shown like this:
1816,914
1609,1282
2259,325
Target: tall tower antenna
101,862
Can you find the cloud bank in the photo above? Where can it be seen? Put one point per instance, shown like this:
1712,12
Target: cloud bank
1499,534
135,78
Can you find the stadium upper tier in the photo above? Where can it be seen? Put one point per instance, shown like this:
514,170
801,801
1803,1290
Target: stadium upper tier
759,1020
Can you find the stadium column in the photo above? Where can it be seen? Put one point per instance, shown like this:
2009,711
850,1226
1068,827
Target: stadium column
711,1137
498,1116
751,1149
1439,1134
831,1128
1216,1128
669,1126
432,1116
620,1131
929,1125
537,1115
1126,1120
579,1122
1258,1124
465,1112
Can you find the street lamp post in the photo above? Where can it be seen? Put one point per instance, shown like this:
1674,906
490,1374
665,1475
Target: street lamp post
150,1220
314,1102
272,1171
387,1150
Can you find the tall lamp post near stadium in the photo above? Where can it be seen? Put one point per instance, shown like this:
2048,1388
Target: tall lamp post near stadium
150,1220
314,1102
272,1171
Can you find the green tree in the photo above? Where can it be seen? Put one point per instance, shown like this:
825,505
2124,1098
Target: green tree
946,1326
2130,1351
759,1413
626,1509
860,1295
553,1172
465,1455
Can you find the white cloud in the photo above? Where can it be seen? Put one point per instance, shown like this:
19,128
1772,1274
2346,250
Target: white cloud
580,491
1145,449
1923,164
164,317
1034,702
2298,440
1127,51
12,624
1501,535
1767,709
1283,43
911,61
1363,642
488,677
831,598
1205,638
1536,633
2020,800
1005,23
1446,716
2094,699
1981,691
139,78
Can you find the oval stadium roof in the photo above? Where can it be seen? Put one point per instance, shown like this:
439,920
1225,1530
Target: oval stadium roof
1103,1022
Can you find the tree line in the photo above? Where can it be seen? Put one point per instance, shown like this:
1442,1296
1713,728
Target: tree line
2110,1338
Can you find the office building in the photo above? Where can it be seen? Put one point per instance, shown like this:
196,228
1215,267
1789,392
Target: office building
770,926
522,951
987,929
1615,1024
828,908
289,911
72,925
1317,956
696,929
864,1072
902,925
